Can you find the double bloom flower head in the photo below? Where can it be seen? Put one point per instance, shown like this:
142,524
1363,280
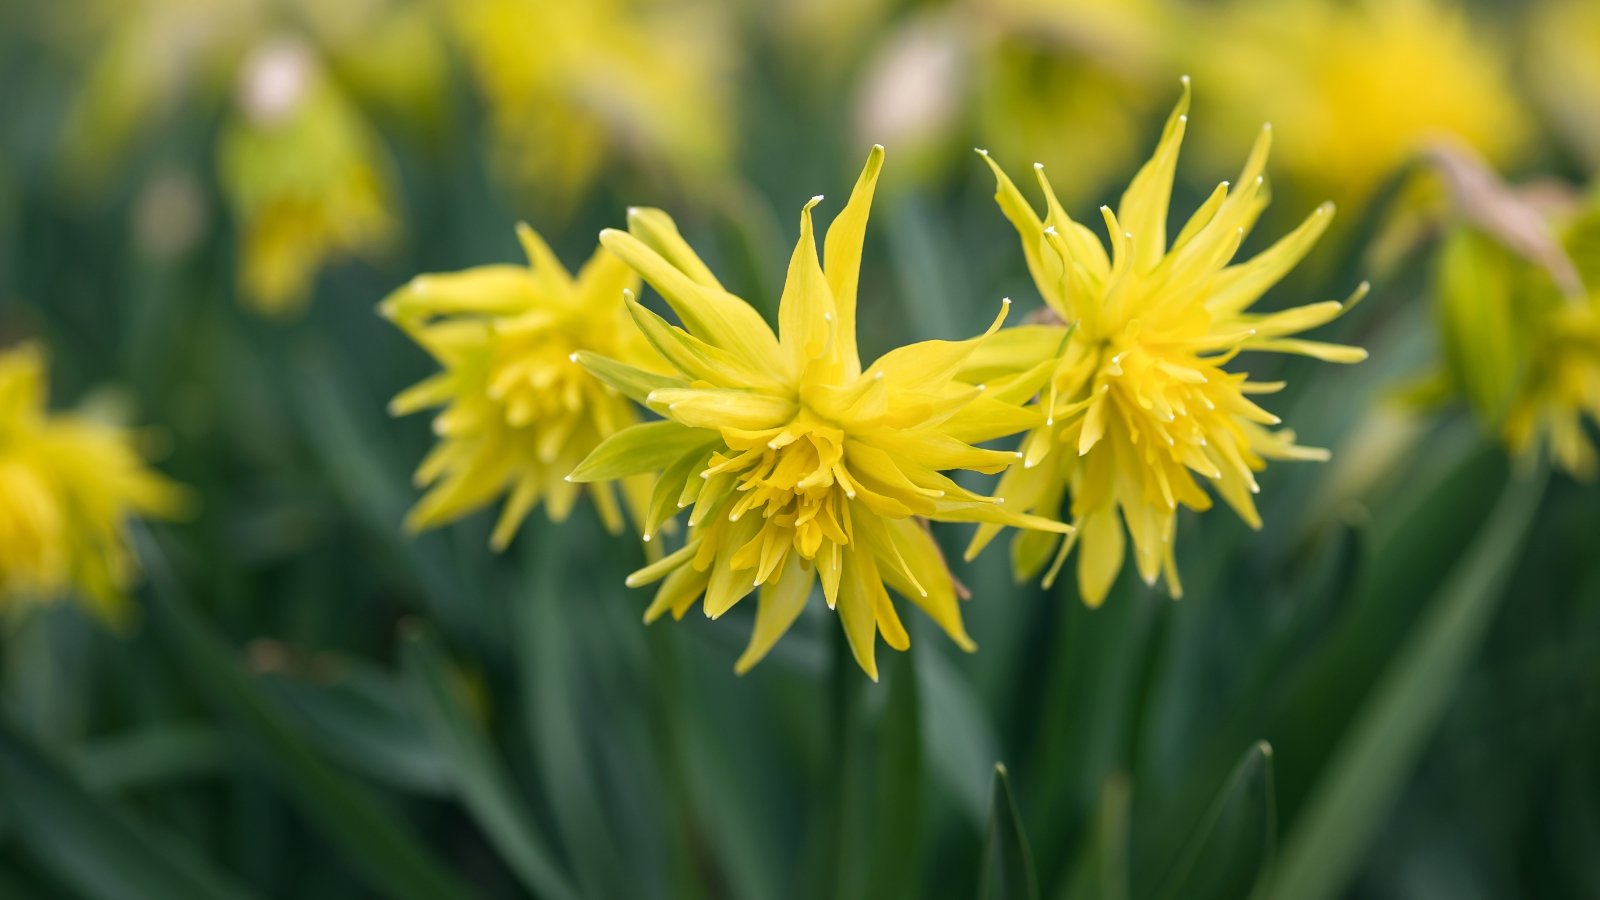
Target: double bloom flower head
796,464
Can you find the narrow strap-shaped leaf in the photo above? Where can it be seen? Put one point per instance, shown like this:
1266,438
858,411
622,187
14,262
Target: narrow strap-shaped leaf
90,845
480,778
555,674
151,755
1100,870
1008,872
364,720
899,805
1350,803
1212,845
373,841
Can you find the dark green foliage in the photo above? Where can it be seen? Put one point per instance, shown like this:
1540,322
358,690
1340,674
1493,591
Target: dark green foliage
1391,691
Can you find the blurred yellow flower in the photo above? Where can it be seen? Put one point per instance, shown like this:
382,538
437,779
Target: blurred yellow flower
519,412
1070,82
1564,62
301,168
571,85
1357,88
1070,79
143,61
1137,399
303,174
1522,352
68,487
797,462
1561,389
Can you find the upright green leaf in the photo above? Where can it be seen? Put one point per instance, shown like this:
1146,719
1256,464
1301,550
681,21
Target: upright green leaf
550,669
91,845
151,755
362,719
958,740
898,804
1236,840
1349,804
1008,872
479,776
370,836
1101,870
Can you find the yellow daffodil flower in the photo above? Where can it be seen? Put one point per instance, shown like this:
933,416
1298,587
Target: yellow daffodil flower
1138,402
304,175
1562,389
519,413
68,488
1563,59
1357,88
1071,82
797,463
571,85
1522,352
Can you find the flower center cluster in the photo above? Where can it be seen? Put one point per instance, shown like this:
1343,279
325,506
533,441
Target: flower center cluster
1153,393
537,386
796,479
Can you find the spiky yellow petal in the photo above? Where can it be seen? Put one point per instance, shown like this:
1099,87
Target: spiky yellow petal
1139,410
69,486
797,465
518,410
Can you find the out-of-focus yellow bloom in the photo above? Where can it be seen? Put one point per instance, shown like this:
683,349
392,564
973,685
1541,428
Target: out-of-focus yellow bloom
519,412
1070,79
68,487
147,61
1357,88
1523,354
1564,61
302,172
144,61
797,462
570,85
301,167
1138,401
1070,82
1562,387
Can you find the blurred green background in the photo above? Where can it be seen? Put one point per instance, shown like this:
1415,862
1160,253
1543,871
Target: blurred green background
1390,691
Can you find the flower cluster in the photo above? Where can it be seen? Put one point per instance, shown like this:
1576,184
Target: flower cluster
68,487
518,413
799,465
1522,342
1137,402
1359,87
